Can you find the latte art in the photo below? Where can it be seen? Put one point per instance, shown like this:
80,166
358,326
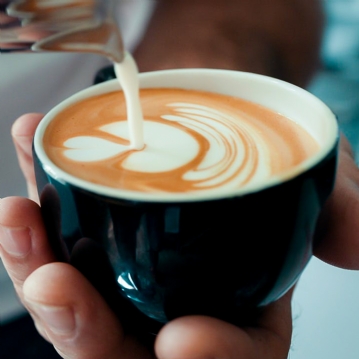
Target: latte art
194,141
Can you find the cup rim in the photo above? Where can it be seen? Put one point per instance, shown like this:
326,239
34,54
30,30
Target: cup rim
63,177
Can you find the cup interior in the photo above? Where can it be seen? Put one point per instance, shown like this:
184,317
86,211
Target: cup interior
291,101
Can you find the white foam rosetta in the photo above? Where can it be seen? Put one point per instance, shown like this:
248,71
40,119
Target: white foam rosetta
235,152
229,154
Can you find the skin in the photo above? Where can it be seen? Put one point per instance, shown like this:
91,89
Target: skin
66,308
235,34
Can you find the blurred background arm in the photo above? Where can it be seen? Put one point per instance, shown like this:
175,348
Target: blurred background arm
280,38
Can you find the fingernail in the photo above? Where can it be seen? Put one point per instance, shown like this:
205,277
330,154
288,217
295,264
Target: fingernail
16,240
59,320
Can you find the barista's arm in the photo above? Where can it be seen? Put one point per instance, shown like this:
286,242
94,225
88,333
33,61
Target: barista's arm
280,38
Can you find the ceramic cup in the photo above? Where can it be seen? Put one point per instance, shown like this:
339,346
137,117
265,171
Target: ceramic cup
228,253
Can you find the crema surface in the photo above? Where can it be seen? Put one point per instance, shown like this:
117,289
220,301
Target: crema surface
194,141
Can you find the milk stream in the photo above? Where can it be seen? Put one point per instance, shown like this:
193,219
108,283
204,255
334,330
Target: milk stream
127,75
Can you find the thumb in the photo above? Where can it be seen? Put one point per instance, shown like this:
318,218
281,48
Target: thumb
23,131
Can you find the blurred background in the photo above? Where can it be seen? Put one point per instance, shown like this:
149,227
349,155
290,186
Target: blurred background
326,300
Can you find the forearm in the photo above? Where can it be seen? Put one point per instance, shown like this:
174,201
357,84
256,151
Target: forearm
280,38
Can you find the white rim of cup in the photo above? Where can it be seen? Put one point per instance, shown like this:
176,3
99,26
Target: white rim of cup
164,77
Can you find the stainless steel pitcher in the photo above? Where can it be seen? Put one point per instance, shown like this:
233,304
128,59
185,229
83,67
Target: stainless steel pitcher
60,25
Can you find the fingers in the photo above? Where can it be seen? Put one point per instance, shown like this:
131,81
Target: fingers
337,239
67,310
204,337
23,242
74,317
23,132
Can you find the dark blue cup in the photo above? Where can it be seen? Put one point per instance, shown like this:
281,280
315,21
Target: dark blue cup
224,255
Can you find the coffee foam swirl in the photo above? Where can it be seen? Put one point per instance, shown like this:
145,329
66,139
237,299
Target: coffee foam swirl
233,153
194,141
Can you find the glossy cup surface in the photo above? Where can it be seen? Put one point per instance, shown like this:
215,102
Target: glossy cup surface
219,255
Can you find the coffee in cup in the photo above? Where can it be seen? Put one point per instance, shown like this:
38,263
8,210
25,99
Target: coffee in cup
194,141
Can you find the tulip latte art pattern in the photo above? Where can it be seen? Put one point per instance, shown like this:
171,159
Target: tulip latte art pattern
194,141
